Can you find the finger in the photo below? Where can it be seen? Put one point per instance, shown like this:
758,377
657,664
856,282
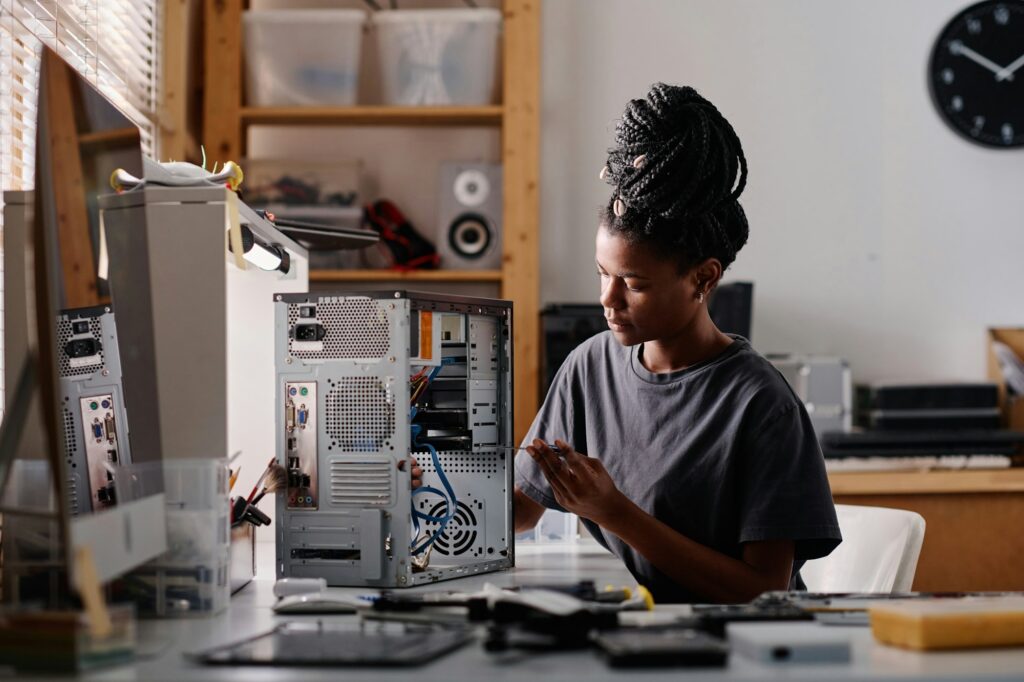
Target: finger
417,472
546,468
416,483
576,461
412,461
553,460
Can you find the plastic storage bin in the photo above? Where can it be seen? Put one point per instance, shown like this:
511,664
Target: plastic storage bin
554,527
192,577
303,56
438,56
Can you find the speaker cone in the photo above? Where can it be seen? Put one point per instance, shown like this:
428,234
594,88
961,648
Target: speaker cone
469,236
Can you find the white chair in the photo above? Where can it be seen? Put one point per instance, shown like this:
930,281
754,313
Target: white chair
879,552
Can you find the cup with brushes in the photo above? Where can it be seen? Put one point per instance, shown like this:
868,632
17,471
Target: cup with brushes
244,509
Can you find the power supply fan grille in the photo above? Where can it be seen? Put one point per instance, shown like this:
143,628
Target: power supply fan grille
460,534
357,328
64,333
360,414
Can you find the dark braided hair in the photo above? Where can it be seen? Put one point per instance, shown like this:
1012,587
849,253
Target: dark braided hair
681,195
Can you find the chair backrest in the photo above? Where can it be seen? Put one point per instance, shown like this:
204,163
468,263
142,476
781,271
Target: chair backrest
879,552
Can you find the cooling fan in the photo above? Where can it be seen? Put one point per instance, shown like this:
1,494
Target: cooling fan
460,535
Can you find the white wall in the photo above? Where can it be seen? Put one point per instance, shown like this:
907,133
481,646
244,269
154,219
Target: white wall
877,234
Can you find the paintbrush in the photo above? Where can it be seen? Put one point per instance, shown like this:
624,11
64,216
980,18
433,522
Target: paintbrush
276,480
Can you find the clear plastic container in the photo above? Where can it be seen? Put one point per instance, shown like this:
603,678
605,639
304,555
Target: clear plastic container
192,577
553,528
304,57
438,56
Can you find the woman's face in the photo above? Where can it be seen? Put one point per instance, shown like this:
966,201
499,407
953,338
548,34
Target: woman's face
644,296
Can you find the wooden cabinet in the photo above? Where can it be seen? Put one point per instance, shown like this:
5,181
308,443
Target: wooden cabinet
972,537
226,120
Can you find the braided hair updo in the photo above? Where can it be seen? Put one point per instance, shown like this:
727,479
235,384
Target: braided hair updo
678,170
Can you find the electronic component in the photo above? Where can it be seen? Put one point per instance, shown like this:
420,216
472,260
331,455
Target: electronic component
394,376
661,647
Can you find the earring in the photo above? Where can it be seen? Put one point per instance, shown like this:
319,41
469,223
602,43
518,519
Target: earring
700,297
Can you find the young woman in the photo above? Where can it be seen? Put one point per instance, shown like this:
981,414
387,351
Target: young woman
684,451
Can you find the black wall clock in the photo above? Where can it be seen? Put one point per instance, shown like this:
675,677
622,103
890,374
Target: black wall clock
976,73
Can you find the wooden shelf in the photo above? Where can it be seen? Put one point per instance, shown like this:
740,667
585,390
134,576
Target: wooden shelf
226,122
398,276
926,482
373,116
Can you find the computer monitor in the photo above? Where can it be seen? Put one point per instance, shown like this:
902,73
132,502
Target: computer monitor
81,139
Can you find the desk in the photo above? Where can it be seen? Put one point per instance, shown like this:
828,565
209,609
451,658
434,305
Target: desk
973,539
162,643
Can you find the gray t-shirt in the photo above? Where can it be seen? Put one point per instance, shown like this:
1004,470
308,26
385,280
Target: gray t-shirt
722,451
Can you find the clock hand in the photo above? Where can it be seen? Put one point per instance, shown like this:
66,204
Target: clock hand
959,48
1006,73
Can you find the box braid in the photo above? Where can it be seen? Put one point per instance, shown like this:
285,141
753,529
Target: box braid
678,170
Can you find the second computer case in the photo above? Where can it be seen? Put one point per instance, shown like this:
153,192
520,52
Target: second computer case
365,382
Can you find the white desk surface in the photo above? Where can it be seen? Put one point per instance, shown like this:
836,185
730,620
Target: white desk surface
163,641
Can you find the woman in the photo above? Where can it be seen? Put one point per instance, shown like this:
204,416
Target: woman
701,470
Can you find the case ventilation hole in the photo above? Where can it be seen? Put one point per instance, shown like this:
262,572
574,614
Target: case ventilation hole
360,414
64,334
357,328
460,534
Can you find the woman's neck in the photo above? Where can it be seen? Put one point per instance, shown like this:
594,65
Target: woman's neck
694,344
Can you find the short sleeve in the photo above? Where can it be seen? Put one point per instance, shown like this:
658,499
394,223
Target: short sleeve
556,420
785,490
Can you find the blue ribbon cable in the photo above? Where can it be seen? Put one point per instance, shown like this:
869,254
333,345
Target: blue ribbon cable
448,494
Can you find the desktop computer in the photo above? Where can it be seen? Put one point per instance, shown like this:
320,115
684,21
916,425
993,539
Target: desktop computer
365,383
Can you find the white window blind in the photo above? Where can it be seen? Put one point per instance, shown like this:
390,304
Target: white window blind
113,43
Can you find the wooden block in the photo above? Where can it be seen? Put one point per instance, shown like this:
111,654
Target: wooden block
969,623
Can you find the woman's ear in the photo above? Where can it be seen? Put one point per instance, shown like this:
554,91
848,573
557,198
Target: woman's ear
706,275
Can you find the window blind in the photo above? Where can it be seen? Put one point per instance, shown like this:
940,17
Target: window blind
113,43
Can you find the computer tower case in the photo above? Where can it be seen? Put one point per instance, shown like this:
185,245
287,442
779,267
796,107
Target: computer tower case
364,383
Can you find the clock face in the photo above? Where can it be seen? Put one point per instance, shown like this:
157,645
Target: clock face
976,73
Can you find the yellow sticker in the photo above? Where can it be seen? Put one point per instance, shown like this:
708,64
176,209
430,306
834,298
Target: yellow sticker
426,335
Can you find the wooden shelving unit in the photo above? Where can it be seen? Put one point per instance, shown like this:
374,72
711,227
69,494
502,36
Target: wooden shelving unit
226,120
373,116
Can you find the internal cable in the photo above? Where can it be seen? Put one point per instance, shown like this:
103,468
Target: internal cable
419,383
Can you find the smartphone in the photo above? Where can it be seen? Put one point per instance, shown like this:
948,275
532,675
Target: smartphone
662,647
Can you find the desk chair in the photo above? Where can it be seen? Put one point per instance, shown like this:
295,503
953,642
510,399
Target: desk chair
879,552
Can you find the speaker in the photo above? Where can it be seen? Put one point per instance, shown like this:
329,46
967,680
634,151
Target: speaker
470,216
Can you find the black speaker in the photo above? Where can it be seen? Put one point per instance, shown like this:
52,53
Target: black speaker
470,216
731,307
563,327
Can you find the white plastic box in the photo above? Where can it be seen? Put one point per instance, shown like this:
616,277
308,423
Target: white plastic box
553,528
438,56
304,57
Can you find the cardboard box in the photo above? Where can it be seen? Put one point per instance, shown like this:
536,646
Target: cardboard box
1012,406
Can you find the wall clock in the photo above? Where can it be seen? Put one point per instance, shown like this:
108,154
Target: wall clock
976,73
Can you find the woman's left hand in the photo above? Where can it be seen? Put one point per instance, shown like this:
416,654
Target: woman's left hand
580,484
